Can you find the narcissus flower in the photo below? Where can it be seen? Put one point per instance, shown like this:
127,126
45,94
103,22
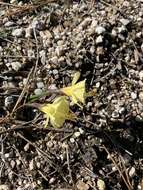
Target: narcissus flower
57,112
76,90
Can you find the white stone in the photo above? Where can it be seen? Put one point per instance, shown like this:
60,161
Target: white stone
40,85
72,140
133,95
17,32
81,131
8,24
30,53
55,72
114,33
125,22
54,60
100,30
142,47
141,75
26,147
97,84
28,32
122,29
4,187
7,155
52,87
141,96
42,54
12,163
101,184
16,65
13,1
99,39
132,172
77,134
31,165
38,91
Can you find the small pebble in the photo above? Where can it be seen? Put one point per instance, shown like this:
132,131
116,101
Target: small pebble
82,186
38,164
12,163
142,47
55,71
114,33
132,171
28,32
7,155
122,29
101,184
8,102
18,32
77,134
141,75
26,147
141,96
72,140
8,24
38,91
133,95
16,65
125,22
100,30
99,39
31,165
52,180
97,84
4,187
40,85
50,144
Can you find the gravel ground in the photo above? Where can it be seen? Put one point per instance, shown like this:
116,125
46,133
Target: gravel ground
42,43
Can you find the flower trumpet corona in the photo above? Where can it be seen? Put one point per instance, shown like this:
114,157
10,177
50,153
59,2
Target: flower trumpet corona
57,112
76,91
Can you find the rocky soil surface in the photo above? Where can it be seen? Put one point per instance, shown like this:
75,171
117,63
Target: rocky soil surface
42,43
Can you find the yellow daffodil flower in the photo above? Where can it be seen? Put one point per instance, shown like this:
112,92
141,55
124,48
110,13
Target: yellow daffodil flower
57,112
76,90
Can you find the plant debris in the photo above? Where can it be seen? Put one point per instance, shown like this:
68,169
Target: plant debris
42,45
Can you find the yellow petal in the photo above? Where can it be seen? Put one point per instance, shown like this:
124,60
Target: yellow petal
57,112
47,109
61,105
77,92
75,78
